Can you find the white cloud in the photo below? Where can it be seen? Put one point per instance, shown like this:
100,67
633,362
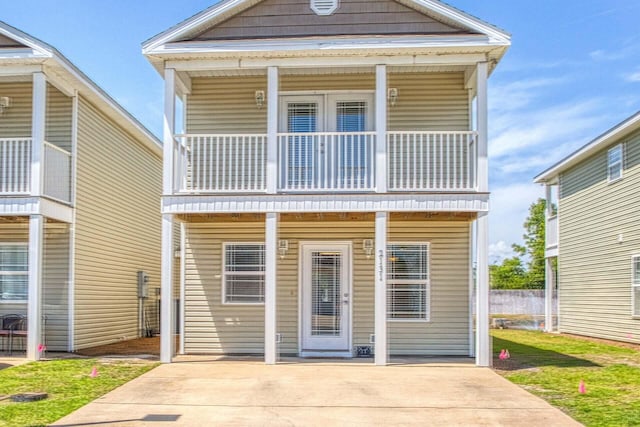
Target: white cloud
499,251
633,77
518,94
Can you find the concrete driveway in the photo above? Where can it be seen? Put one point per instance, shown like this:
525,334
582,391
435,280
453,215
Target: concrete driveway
249,393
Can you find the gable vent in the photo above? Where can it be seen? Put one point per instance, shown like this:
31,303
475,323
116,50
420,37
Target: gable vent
324,7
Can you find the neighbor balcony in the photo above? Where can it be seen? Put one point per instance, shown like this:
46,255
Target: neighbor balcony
326,162
16,170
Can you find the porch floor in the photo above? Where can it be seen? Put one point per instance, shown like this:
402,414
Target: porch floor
249,393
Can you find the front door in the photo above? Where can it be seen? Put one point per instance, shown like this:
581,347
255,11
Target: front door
326,299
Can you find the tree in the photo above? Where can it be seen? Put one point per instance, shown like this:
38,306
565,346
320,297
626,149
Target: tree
508,275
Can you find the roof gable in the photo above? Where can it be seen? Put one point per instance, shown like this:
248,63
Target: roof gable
435,17
6,42
296,18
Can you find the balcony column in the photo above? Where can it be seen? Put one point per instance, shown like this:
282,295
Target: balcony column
483,341
34,302
272,129
38,129
270,280
380,304
167,309
548,269
381,130
169,148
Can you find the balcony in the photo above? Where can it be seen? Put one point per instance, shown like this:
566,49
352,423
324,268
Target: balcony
326,162
15,169
551,236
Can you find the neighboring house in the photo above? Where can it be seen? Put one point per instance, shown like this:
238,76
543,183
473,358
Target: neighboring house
80,183
595,236
327,178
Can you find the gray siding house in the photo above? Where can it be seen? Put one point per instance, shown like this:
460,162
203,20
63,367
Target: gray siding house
595,236
80,184
329,179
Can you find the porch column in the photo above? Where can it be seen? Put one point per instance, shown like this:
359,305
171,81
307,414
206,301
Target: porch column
483,341
168,174
380,308
167,311
34,303
270,278
482,121
38,127
381,129
548,269
272,130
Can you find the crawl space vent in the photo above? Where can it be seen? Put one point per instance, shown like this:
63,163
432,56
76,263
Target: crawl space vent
324,7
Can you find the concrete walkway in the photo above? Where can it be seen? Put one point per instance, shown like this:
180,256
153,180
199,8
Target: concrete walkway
249,393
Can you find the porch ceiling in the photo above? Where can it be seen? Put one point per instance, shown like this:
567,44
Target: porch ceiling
329,217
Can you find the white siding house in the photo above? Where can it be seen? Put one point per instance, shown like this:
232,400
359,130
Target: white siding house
79,188
330,180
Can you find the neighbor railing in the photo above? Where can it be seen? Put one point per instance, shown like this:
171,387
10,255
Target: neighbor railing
15,166
431,161
57,173
329,161
551,232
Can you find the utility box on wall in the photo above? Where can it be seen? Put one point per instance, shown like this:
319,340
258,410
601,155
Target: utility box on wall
143,284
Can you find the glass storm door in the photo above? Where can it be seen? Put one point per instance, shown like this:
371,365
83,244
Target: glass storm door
326,298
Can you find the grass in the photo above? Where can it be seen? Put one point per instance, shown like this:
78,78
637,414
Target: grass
552,366
68,383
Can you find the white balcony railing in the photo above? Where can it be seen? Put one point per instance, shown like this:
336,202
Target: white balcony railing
431,161
57,173
15,166
551,232
327,161
221,163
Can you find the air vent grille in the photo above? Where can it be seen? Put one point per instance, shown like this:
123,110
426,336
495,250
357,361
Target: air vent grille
324,7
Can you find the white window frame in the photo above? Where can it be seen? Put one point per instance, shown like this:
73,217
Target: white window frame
16,273
635,284
619,164
426,283
226,273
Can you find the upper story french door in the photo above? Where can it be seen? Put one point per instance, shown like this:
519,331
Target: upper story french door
327,142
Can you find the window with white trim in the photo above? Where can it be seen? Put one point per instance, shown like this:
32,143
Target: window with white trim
635,286
243,273
408,286
14,272
615,158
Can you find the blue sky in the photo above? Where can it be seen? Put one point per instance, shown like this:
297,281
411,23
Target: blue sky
572,72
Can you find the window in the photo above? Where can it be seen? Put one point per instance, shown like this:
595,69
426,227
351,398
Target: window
243,281
635,286
408,284
614,163
14,270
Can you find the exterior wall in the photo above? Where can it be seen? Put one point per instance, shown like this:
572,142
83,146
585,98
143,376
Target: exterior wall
294,18
55,279
16,121
211,327
117,228
594,267
59,118
426,101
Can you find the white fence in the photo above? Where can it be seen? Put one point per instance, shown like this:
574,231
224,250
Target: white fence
15,166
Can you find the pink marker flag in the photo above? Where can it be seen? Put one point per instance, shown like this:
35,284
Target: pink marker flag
41,348
502,355
94,372
581,388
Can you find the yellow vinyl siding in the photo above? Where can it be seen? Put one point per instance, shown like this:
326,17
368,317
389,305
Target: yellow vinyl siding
594,265
59,117
55,279
16,121
214,328
117,228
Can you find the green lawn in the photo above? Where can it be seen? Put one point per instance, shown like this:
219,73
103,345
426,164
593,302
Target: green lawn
68,383
552,366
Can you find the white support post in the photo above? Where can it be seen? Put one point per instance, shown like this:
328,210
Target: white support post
270,278
38,129
272,129
168,180
380,305
381,129
483,340
167,311
183,293
34,303
548,270
482,123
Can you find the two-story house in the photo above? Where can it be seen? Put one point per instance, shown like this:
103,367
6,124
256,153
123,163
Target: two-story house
79,193
328,177
595,236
